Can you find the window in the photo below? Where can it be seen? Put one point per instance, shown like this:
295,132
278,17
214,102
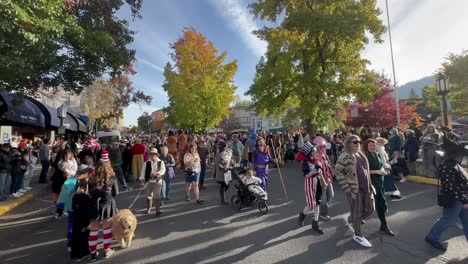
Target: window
244,119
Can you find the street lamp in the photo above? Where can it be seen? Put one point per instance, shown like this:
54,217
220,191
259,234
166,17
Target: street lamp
442,84
62,114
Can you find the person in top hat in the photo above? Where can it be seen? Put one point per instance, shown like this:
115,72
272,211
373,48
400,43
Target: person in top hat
152,173
454,186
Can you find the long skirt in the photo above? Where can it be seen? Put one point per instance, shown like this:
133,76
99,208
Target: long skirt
312,191
137,166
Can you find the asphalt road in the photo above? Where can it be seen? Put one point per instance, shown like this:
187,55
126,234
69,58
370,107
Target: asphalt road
211,233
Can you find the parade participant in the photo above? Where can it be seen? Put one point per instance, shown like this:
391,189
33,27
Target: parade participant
152,173
352,173
169,163
64,202
80,206
203,152
181,145
44,157
103,189
327,190
314,183
389,182
138,152
171,143
260,162
377,172
223,162
453,195
192,170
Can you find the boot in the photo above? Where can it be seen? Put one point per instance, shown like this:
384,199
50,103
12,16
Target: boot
149,205
157,205
222,193
386,230
301,218
316,227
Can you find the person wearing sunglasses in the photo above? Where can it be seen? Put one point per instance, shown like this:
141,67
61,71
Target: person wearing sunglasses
352,173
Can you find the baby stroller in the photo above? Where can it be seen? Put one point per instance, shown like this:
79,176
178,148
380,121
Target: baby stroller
247,194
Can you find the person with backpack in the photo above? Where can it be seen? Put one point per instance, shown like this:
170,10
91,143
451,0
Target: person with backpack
152,173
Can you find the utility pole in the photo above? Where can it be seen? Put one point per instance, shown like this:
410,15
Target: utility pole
393,66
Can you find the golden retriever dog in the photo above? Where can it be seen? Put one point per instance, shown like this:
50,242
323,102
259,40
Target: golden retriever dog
124,224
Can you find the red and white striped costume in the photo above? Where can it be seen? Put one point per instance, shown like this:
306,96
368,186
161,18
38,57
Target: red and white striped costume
310,187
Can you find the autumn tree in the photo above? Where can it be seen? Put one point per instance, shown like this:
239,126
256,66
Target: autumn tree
313,61
380,112
158,121
199,85
66,44
230,124
107,98
144,122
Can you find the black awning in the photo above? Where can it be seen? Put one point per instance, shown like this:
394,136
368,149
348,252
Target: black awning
49,112
82,126
21,111
70,123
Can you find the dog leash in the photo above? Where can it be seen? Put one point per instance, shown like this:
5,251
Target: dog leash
138,195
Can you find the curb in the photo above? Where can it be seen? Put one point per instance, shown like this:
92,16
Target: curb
424,180
12,205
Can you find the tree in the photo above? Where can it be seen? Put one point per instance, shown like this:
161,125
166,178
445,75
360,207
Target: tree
413,94
144,123
62,44
456,68
430,106
199,86
106,99
238,101
158,122
381,111
230,124
313,61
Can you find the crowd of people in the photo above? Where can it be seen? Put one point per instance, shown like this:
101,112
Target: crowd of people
86,176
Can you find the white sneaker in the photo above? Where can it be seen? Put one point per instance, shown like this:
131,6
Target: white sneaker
15,195
22,191
362,241
403,179
28,188
19,194
348,224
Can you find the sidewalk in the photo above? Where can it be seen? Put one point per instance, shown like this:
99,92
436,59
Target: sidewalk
11,203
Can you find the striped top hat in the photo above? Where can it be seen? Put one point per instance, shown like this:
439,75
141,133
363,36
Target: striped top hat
105,155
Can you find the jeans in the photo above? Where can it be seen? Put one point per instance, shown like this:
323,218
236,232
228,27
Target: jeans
120,175
327,196
202,172
163,190
44,171
27,178
449,218
3,182
16,181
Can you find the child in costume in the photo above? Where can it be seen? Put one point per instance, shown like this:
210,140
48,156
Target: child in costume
252,182
80,205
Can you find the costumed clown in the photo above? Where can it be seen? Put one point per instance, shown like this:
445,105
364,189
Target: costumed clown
327,193
260,160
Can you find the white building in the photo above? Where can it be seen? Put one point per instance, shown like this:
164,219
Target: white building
249,119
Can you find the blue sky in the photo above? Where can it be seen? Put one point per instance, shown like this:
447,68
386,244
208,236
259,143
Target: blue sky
423,32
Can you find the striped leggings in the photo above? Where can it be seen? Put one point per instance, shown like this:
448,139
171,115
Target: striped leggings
361,207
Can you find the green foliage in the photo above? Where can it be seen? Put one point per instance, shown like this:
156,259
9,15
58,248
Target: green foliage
430,104
313,61
456,68
199,86
52,44
144,122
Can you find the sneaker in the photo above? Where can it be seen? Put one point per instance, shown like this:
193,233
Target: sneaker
28,188
187,198
94,256
58,216
15,195
362,241
22,191
436,244
19,194
108,253
325,218
300,219
348,223
403,179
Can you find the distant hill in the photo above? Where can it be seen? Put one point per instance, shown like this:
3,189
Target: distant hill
418,85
